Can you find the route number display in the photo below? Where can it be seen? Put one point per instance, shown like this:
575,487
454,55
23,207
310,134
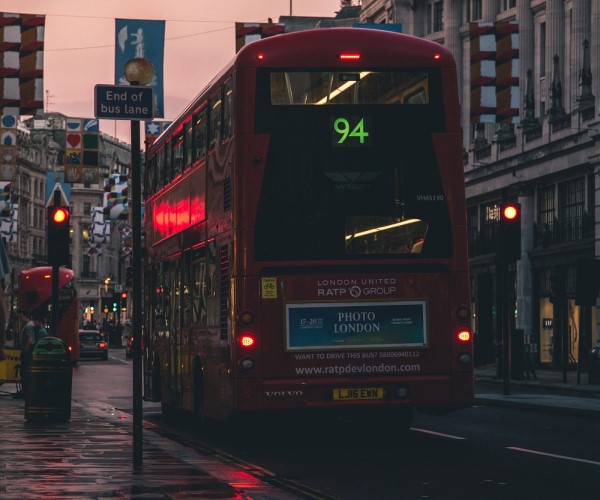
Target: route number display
351,131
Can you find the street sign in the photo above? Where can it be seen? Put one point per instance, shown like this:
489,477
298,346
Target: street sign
118,288
124,102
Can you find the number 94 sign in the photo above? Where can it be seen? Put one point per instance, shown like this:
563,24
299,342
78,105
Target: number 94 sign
351,131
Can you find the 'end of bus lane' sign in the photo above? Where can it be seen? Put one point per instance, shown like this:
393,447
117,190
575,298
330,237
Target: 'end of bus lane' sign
124,102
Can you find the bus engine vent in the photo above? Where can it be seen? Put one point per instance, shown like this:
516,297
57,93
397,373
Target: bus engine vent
224,255
227,194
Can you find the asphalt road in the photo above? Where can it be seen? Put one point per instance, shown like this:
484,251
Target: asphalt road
477,453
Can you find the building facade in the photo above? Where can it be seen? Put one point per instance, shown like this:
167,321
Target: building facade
41,147
548,161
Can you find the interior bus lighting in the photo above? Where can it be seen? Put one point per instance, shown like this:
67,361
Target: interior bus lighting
381,228
464,336
349,56
247,341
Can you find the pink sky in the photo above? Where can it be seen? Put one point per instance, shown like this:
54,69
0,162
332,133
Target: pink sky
199,41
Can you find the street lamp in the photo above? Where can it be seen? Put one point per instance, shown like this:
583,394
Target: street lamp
138,71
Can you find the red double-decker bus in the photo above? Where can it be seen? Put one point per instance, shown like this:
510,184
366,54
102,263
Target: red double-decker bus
306,234
35,296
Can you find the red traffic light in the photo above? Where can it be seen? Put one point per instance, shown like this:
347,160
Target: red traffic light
123,295
60,215
510,211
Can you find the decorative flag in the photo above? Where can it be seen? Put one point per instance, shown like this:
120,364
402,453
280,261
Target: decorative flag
99,232
127,240
21,64
154,129
250,32
116,206
495,95
9,224
8,147
81,156
54,181
5,204
145,39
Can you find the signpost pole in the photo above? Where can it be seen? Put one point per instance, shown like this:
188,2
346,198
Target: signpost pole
136,320
133,102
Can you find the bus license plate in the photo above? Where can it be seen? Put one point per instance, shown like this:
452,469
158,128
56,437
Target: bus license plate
360,393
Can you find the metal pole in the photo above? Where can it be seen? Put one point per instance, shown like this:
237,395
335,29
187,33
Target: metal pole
136,320
55,271
505,322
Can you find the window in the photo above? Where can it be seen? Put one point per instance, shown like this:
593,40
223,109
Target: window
177,142
476,11
227,109
328,88
542,46
508,4
438,16
87,208
199,292
216,108
189,147
571,209
200,133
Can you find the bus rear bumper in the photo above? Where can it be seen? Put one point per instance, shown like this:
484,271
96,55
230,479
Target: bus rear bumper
437,392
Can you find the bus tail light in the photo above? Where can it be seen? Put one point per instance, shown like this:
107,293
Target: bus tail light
349,56
463,336
247,341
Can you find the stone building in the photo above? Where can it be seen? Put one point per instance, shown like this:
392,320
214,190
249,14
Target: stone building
40,151
548,161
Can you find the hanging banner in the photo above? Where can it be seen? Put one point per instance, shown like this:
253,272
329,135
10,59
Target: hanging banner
146,39
21,64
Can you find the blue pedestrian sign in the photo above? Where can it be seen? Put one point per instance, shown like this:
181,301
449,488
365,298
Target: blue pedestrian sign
124,102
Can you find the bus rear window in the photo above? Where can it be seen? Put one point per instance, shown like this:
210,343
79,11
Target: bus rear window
317,88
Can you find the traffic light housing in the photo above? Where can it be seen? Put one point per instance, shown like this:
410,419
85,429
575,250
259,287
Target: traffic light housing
509,246
123,301
58,225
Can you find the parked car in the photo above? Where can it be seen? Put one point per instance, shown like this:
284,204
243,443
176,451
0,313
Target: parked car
92,345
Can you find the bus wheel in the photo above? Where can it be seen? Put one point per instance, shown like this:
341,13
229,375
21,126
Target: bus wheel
198,392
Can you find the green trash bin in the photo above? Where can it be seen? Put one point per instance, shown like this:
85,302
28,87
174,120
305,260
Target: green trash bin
50,375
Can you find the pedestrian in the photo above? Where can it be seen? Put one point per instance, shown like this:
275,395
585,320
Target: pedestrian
26,342
40,329
528,365
3,323
5,269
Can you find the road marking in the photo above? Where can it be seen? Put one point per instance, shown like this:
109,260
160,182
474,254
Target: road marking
553,455
426,431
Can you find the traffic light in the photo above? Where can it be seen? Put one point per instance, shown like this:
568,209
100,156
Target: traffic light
116,302
509,246
58,224
123,301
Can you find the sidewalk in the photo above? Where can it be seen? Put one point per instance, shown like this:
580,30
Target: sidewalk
548,393
91,456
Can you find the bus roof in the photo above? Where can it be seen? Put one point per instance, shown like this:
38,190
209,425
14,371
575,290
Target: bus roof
35,285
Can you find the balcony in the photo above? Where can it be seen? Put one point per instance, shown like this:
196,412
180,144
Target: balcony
563,231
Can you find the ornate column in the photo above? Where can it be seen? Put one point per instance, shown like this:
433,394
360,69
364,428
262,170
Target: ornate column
580,33
527,42
555,37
